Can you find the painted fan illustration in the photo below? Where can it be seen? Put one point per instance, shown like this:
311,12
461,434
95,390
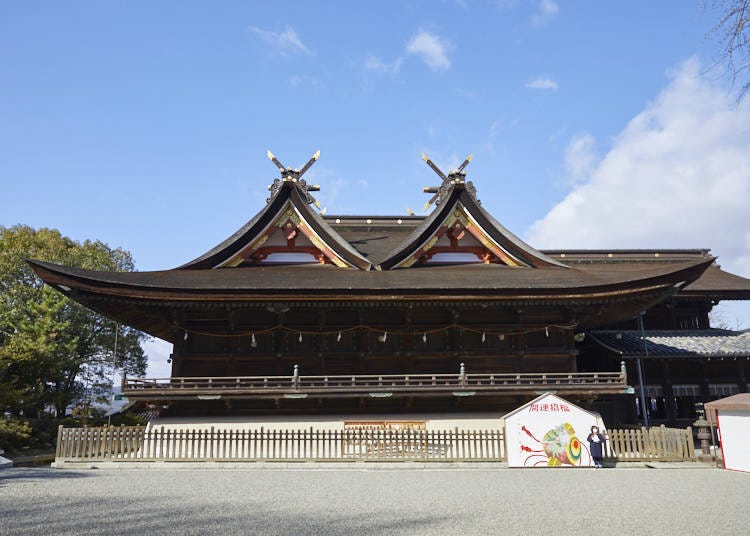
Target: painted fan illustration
560,445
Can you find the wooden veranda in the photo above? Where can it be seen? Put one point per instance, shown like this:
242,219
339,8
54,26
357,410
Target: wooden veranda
295,386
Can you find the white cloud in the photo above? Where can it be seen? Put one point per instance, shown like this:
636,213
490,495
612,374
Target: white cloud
546,11
678,175
374,63
285,43
157,351
296,81
543,83
494,129
492,133
580,157
431,49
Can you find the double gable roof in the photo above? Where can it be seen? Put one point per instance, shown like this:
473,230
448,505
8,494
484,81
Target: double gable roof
288,251
459,231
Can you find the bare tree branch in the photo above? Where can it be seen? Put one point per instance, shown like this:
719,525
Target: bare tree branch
733,33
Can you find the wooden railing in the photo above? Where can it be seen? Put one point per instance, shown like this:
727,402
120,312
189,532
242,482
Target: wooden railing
354,443
100,443
362,385
159,444
650,444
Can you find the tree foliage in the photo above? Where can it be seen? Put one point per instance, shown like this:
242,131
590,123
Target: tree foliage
55,353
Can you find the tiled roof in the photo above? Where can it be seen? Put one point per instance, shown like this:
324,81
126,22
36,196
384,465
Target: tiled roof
676,343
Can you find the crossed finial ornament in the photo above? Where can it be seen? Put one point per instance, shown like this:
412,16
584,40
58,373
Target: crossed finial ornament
456,176
295,176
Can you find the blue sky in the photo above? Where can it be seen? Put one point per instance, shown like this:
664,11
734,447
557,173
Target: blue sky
592,124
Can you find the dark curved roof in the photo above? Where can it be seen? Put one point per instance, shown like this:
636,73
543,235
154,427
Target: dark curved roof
491,280
720,285
289,191
715,283
502,236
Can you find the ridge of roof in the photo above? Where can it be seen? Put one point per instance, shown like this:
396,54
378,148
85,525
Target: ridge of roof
575,251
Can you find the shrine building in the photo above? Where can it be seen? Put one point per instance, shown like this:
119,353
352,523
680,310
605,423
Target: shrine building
303,313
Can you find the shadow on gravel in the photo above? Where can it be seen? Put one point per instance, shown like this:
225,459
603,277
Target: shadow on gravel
162,515
39,473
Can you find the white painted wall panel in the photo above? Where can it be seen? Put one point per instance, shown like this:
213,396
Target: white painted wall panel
734,427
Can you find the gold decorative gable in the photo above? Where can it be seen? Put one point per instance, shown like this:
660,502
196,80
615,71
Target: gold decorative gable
463,239
289,239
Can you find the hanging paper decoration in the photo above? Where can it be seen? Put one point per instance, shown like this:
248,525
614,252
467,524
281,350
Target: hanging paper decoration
546,331
300,337
424,338
186,336
338,337
253,342
484,337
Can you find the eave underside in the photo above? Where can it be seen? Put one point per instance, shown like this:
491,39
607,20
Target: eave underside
168,319
148,300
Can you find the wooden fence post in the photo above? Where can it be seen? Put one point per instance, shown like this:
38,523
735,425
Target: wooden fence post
58,445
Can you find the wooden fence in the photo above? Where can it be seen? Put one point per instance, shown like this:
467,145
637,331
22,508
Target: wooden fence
650,444
160,444
138,443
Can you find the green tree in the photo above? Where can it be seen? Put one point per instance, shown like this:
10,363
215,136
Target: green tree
55,353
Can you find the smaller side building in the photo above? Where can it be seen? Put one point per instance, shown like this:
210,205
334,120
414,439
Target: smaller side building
681,368
732,416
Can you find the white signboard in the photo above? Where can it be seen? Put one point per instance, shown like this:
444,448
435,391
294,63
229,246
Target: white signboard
734,427
549,432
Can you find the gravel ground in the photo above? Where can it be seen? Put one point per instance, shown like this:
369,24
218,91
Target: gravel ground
351,501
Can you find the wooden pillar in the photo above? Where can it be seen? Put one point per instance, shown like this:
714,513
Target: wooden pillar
742,379
231,365
320,340
672,316
178,351
669,402
572,363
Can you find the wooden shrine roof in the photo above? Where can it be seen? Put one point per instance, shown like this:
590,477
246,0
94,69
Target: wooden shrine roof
382,257
468,279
